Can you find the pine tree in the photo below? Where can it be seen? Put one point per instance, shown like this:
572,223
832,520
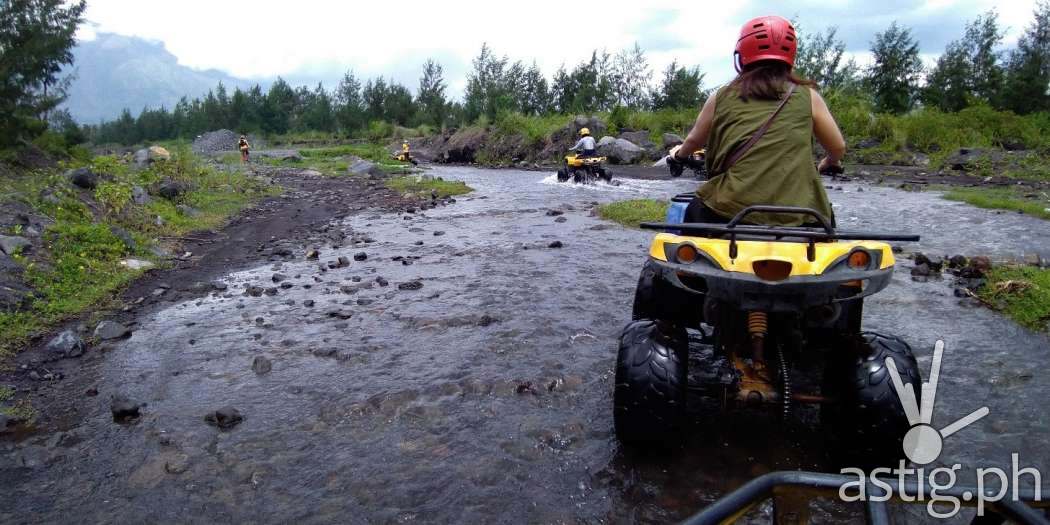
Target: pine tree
431,96
681,88
36,40
1028,68
820,59
630,78
894,76
350,107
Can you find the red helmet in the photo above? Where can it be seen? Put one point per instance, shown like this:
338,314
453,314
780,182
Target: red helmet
766,38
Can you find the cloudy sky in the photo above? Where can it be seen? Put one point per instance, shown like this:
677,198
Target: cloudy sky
317,40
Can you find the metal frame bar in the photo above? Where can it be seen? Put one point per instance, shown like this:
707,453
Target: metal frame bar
732,506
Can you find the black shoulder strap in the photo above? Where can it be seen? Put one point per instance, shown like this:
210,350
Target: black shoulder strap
735,156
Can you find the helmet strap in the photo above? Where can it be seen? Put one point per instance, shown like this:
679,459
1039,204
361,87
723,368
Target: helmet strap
736,61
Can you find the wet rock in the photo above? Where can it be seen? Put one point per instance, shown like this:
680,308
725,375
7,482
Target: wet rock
278,277
254,291
286,285
561,219
619,151
554,213
638,138
555,244
382,281
177,463
12,244
83,178
219,286
957,262
977,268
309,303
487,320
340,314
261,365
343,262
224,418
360,256
325,352
66,344
525,387
312,254
140,196
920,270
933,263
271,291
4,422
359,166
124,410
438,233
411,285
108,330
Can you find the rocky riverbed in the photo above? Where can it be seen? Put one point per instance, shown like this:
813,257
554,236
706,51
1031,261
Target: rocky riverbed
339,354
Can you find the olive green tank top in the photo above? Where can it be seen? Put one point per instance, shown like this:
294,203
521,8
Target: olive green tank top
778,170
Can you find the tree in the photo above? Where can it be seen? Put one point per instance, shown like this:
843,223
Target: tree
431,96
984,37
36,40
948,84
630,78
1028,67
819,59
375,96
681,88
397,106
535,98
279,107
488,86
563,92
350,107
894,76
317,113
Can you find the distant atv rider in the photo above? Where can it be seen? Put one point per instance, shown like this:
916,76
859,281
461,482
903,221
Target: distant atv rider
585,145
778,169
242,145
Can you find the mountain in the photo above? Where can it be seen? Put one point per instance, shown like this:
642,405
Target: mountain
114,72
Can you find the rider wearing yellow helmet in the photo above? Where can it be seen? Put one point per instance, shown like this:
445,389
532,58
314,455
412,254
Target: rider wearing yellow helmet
585,145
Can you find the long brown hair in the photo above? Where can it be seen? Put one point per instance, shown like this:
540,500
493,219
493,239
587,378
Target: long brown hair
766,80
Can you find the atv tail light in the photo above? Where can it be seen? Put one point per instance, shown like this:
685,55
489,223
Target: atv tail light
769,270
859,260
686,254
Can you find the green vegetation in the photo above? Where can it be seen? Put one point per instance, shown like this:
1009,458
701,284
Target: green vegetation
632,212
1022,293
80,266
333,161
1013,199
426,185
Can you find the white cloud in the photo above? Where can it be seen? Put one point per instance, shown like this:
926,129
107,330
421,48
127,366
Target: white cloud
314,39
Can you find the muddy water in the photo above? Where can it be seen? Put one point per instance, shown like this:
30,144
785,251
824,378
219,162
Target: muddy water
485,395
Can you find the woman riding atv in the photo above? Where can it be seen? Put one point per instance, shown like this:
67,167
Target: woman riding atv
778,114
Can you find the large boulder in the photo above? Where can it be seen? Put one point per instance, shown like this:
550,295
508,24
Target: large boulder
967,159
171,189
83,178
671,140
13,244
464,145
146,156
619,151
638,138
359,166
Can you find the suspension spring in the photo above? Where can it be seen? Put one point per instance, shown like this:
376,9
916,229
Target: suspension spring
785,382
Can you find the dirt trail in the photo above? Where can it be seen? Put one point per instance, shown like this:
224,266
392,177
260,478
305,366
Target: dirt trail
458,368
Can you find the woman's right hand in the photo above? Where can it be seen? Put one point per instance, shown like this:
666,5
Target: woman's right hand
827,164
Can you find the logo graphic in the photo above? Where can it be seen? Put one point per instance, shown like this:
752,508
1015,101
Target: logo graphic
923,443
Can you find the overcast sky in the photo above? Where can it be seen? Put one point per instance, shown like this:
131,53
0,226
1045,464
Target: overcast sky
317,40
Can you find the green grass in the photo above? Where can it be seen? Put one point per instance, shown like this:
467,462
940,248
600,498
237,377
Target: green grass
79,267
632,212
1022,293
1034,203
414,184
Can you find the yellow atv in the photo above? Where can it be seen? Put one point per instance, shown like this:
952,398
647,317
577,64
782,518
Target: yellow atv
696,162
583,170
774,306
405,156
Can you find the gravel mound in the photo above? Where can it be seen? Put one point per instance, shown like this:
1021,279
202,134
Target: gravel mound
221,140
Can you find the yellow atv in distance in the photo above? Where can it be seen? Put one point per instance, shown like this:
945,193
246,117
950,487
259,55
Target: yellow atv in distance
696,162
584,170
775,306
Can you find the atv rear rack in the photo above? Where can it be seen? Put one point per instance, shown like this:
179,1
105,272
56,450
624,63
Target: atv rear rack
732,229
734,505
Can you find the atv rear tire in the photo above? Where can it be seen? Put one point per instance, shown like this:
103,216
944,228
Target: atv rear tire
656,298
579,176
650,395
867,422
563,175
605,174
